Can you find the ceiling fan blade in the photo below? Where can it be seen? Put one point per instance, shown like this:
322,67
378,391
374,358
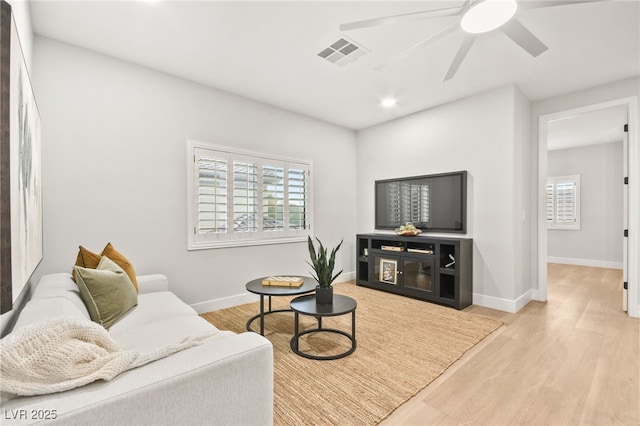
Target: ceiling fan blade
551,3
410,50
451,11
462,53
523,37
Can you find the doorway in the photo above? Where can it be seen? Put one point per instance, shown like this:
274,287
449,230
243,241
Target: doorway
548,125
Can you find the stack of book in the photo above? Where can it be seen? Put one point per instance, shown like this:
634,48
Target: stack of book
425,251
392,248
283,281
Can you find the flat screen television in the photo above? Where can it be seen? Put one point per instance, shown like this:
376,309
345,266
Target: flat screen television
433,203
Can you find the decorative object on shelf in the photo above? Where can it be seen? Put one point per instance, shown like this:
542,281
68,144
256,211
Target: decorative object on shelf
391,248
283,281
422,251
388,271
408,230
450,264
323,268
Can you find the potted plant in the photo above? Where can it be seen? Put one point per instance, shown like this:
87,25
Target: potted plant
323,268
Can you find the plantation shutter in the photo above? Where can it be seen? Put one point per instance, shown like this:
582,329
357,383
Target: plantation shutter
550,202
245,196
298,200
563,202
238,198
212,194
273,197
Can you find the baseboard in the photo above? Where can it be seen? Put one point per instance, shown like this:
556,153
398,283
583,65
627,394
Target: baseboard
535,295
241,299
585,262
500,304
346,276
225,302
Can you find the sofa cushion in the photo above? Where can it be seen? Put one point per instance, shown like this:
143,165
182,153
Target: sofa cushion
152,283
107,291
153,307
37,310
158,334
59,285
52,285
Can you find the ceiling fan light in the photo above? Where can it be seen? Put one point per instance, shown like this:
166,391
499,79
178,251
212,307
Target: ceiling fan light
486,15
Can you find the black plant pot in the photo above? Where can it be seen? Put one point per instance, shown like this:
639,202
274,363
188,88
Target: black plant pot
324,295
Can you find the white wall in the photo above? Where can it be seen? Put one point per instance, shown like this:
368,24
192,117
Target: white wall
522,202
114,169
598,242
483,135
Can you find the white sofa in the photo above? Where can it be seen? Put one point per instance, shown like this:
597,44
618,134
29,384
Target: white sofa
225,381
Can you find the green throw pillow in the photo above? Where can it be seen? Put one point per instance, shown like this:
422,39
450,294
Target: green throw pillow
107,291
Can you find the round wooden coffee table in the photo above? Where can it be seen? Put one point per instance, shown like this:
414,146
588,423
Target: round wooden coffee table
255,286
307,305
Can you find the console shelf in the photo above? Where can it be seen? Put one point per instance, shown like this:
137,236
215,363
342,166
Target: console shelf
435,269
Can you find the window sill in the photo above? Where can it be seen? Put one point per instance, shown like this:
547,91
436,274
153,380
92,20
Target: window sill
245,243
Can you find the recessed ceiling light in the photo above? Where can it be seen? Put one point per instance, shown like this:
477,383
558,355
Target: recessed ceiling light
388,102
485,15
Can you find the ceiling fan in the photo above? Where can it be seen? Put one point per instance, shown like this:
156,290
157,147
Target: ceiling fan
476,17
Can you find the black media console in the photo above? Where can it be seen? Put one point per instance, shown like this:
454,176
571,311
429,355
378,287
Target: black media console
435,269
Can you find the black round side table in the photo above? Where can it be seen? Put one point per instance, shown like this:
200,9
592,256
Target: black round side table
306,305
256,287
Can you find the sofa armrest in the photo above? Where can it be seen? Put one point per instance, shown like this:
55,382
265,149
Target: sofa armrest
226,381
152,283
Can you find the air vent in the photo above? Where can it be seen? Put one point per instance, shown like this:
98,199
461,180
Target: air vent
343,52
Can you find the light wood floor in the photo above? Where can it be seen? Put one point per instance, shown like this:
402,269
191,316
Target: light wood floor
570,361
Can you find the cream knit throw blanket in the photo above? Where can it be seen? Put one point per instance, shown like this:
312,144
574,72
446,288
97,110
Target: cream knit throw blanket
63,353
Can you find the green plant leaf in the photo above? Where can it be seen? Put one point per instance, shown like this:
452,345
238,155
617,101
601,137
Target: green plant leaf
323,266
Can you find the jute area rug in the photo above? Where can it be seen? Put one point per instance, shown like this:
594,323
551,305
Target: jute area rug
402,345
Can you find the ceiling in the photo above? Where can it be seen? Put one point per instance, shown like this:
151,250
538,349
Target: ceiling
589,128
267,50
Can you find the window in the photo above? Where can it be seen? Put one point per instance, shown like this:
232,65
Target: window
563,202
239,198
